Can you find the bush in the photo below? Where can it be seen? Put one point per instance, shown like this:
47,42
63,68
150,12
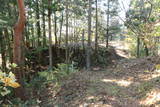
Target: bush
61,71
45,78
7,84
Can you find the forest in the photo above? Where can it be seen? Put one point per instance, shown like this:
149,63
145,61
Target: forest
79,53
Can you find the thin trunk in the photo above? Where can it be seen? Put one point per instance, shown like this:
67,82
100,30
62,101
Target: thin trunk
55,28
138,47
38,23
83,40
67,48
3,50
26,34
60,35
96,36
11,52
32,32
146,49
17,48
74,31
50,37
107,35
44,27
88,62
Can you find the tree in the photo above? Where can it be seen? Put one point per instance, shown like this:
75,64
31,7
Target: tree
107,34
44,25
141,20
67,48
38,23
50,37
112,13
17,50
3,48
88,62
96,35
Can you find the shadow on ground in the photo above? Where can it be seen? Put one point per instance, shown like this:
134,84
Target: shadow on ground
132,83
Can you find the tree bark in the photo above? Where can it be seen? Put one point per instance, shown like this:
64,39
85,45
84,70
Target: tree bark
60,35
3,50
96,36
44,27
67,48
138,47
33,34
17,48
55,28
50,33
83,40
146,49
38,23
88,62
107,34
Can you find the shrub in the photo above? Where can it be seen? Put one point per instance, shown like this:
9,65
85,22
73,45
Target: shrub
45,78
61,71
7,83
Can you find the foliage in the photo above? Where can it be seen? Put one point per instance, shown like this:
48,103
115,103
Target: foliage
142,20
60,72
7,83
157,68
133,49
43,79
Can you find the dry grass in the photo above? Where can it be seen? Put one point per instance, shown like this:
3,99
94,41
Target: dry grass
120,86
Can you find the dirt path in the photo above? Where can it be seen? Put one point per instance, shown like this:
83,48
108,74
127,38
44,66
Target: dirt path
121,48
129,83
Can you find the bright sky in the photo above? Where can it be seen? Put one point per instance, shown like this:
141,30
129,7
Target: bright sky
124,5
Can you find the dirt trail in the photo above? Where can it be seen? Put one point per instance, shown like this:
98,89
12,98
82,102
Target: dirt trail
120,47
129,83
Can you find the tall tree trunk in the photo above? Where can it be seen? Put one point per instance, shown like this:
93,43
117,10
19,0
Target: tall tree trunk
26,34
74,31
67,48
50,37
83,40
33,33
38,23
107,34
44,27
60,35
96,36
11,52
55,28
88,60
17,49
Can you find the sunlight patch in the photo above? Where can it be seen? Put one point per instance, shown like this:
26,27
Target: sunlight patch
151,98
152,76
94,105
124,83
90,97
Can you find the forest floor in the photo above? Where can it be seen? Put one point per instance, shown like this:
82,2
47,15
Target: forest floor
127,83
